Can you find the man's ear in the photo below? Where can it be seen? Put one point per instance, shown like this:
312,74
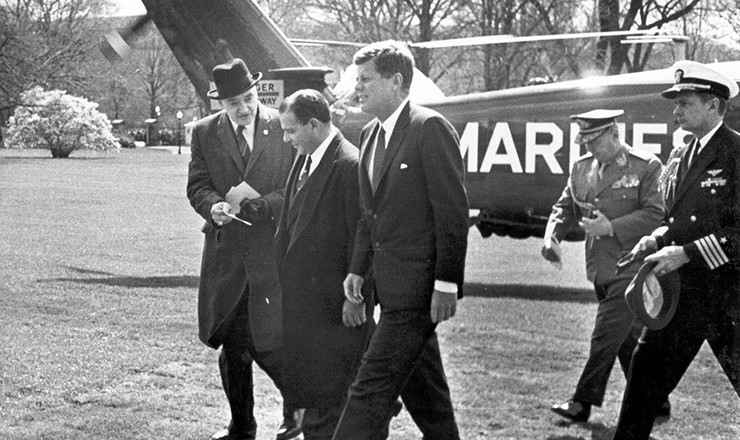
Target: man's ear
397,80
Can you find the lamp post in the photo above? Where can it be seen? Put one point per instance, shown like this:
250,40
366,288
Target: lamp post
179,120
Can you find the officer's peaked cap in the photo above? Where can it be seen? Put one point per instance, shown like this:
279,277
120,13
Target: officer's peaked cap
697,77
593,124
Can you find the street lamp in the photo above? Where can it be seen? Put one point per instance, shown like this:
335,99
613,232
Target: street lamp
179,120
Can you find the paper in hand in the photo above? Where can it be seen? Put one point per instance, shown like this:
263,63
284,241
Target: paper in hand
237,194
555,247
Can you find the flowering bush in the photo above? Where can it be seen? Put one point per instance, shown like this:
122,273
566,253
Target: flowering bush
167,137
59,122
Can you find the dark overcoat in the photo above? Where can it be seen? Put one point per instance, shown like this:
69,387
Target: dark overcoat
414,228
313,247
237,255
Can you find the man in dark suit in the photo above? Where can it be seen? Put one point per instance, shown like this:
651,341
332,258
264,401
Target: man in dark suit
413,234
701,240
612,193
239,165
325,334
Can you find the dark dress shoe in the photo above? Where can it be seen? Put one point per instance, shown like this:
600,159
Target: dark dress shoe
290,428
665,409
224,434
573,410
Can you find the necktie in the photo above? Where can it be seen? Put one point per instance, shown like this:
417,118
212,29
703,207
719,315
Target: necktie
379,154
304,174
241,142
687,158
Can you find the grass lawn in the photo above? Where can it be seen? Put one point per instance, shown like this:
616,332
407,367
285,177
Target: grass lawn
99,259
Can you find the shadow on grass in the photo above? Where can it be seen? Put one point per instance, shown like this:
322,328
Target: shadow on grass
87,271
153,282
530,292
121,281
66,159
599,431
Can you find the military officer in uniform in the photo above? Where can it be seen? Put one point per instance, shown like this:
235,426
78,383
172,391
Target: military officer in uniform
612,193
701,240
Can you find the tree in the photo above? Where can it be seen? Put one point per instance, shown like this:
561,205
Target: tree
640,14
58,122
511,65
162,80
45,42
375,20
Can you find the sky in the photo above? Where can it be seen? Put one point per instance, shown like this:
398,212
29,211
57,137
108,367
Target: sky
130,7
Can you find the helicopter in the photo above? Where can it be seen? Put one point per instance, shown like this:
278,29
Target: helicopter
517,144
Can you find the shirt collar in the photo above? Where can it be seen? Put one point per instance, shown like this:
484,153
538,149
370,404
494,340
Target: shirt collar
705,140
390,123
318,154
248,128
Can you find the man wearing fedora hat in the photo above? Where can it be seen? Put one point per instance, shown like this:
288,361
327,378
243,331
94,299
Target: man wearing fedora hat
237,171
700,240
612,193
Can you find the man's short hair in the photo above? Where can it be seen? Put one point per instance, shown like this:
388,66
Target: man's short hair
391,57
307,104
706,97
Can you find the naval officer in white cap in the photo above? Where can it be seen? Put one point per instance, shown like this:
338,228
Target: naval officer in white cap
612,193
700,238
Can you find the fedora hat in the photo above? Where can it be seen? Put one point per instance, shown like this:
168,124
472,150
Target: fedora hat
653,299
232,78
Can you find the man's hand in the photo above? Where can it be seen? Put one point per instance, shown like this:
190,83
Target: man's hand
219,211
256,210
353,314
598,226
444,305
352,288
647,245
669,259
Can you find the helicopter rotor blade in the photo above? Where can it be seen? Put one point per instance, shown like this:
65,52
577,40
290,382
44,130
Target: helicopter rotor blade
491,39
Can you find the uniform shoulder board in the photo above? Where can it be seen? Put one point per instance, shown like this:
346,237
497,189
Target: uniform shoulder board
641,154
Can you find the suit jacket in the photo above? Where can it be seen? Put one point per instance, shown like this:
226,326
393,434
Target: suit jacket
704,217
627,194
236,255
313,248
414,229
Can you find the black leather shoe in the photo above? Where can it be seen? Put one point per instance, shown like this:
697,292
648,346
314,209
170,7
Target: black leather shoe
291,426
573,410
224,434
665,409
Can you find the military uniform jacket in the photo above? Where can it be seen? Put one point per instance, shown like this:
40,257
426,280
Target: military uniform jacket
236,255
703,216
627,194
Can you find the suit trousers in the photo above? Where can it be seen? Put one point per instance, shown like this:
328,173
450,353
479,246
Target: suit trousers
403,359
663,356
614,337
235,364
320,423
